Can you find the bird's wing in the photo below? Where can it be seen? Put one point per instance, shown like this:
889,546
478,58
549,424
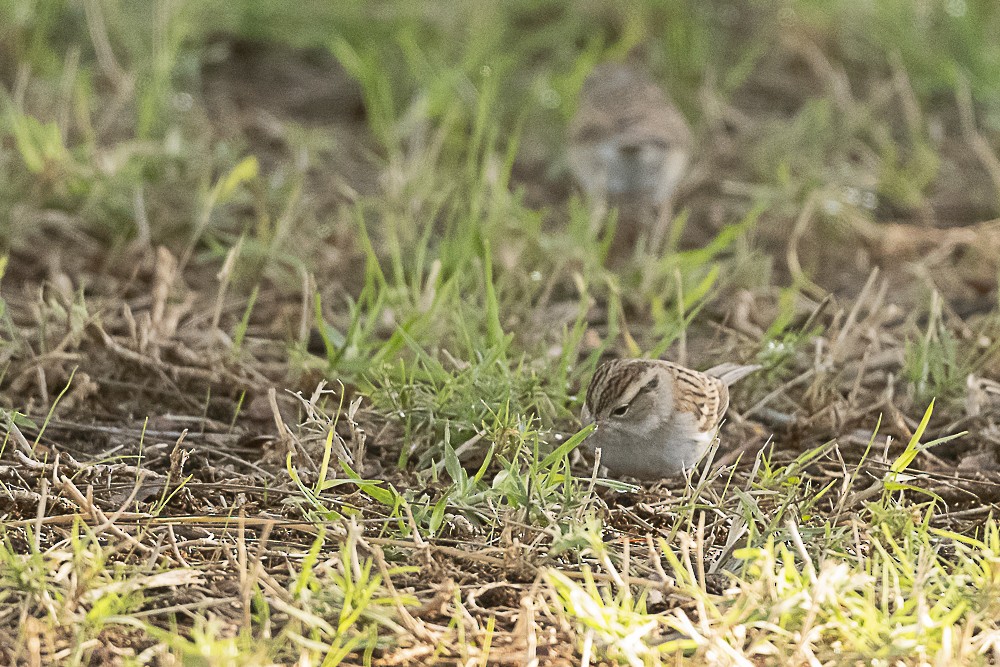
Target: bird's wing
704,396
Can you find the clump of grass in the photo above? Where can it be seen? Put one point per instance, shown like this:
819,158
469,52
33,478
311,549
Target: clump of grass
904,599
805,587
938,364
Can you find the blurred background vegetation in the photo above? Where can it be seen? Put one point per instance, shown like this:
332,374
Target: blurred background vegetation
394,151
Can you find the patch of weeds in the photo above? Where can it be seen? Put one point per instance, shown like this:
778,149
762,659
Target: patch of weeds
487,398
934,367
336,454
785,493
937,364
515,478
783,342
612,625
676,286
879,588
341,602
578,537
209,643
74,589
525,484
529,488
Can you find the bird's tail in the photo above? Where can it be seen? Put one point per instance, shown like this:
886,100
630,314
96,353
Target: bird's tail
730,373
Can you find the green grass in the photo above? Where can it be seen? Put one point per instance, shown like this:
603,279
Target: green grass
165,259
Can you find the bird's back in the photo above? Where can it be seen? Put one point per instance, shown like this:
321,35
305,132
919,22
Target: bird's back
704,396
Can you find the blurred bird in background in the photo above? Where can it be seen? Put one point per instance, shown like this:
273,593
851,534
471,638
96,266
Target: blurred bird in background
629,148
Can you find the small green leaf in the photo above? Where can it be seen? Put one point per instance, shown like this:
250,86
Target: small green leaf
437,515
568,446
453,465
385,496
913,446
246,170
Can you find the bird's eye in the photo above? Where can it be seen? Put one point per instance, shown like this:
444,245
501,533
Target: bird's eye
620,411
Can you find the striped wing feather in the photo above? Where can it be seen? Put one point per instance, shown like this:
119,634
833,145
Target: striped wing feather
704,396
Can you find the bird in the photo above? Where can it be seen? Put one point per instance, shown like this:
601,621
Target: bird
629,147
656,418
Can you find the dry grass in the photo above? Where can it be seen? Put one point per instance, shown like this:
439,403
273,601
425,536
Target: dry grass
297,308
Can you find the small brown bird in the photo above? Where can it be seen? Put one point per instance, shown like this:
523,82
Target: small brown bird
629,147
656,418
